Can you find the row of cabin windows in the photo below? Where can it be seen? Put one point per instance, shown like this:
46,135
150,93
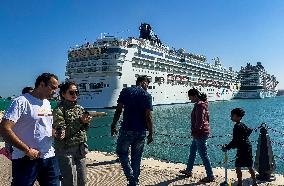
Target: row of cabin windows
150,87
145,56
189,62
145,71
94,57
93,85
151,52
163,74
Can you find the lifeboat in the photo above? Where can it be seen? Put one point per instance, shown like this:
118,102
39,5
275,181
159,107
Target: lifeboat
170,77
178,78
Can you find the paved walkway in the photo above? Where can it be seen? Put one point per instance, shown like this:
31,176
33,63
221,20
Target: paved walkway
104,170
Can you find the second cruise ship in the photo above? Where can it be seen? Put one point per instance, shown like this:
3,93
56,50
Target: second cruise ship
103,68
256,83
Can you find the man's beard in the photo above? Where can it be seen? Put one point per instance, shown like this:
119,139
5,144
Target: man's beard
52,96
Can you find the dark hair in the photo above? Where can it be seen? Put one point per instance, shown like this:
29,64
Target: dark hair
199,95
141,79
63,87
239,112
27,90
45,77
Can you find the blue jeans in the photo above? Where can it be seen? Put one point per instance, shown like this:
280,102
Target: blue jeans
136,141
200,146
25,172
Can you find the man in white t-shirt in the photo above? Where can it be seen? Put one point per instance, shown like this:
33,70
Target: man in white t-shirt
27,125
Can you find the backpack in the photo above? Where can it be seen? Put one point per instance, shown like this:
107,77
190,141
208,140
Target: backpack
247,130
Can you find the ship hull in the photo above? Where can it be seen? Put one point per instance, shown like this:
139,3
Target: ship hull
256,94
162,94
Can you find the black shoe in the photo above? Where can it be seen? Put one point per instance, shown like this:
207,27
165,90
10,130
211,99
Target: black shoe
132,183
207,180
188,174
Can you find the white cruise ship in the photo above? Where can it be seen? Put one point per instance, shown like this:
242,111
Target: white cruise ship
103,68
256,83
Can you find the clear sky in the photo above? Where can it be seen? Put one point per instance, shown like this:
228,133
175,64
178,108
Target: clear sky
35,35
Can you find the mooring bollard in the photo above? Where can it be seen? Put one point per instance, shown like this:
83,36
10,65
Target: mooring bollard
264,160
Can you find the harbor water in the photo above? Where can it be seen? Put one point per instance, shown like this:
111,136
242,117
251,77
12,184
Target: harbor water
172,127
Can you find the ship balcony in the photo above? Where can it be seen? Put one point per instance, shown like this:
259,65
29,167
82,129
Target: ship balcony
95,69
143,57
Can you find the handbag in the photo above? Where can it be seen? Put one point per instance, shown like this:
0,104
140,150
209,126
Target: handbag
84,149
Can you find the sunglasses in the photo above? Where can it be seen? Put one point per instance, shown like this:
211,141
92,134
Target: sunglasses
74,92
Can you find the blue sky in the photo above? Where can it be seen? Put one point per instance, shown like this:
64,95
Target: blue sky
35,35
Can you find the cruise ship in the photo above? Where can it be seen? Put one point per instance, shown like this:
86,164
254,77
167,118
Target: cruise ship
103,68
256,83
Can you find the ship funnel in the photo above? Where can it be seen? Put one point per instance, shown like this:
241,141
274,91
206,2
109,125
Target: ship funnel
147,33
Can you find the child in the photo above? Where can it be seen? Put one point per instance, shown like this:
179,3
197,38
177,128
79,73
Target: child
241,142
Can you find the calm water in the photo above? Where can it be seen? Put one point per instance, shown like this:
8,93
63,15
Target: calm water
175,120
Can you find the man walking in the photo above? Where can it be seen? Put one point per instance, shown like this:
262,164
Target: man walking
137,119
27,125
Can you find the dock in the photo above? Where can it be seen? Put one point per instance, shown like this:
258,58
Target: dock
104,169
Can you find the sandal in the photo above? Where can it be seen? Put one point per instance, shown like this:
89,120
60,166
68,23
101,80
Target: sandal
188,174
207,180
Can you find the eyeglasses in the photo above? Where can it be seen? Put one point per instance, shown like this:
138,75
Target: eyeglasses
148,82
74,92
51,86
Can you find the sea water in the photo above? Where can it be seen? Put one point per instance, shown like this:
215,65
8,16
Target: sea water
174,122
